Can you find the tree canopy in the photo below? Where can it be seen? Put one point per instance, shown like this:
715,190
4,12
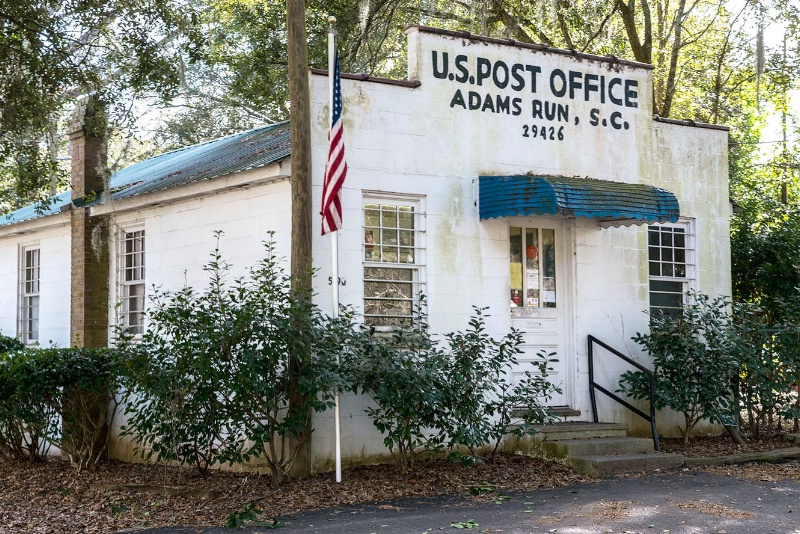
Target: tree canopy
198,69
53,51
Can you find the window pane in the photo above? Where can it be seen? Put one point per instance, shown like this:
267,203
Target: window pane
548,268
532,271
372,215
389,216
406,217
680,238
28,311
652,237
131,279
369,247
388,292
515,255
667,258
391,237
407,238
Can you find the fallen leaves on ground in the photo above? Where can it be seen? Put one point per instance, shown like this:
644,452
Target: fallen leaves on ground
712,508
53,498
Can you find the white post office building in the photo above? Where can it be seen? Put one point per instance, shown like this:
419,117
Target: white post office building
533,181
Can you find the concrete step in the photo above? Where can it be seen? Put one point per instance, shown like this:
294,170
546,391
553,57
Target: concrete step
610,465
579,430
568,448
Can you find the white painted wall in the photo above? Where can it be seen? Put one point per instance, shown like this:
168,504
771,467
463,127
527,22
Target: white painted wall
412,141
179,238
54,304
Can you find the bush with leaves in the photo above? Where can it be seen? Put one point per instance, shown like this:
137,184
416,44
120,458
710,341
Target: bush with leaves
216,378
481,396
25,419
770,362
56,397
430,399
404,375
754,344
787,343
694,362
9,343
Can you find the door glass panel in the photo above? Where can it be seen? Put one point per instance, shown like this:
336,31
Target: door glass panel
549,268
532,271
515,254
533,268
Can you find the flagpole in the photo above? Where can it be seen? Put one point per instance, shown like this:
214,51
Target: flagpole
334,248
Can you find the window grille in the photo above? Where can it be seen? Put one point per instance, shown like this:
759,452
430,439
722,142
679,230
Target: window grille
131,279
393,249
29,296
671,267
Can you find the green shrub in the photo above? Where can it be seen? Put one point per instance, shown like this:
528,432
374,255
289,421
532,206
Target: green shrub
694,361
481,398
404,376
215,378
8,344
429,399
56,396
770,362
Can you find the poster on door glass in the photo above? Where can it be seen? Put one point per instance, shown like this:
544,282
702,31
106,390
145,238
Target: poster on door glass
549,291
532,279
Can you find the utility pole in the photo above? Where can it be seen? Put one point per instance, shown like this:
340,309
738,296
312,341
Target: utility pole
300,101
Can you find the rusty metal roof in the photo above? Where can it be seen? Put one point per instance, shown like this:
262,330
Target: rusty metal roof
220,157
506,196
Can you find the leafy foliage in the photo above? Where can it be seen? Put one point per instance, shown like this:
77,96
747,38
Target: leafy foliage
430,399
9,343
712,364
52,51
482,397
769,356
765,262
56,397
403,375
694,364
214,379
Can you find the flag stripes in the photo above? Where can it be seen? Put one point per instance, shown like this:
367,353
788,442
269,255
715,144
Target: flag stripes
336,168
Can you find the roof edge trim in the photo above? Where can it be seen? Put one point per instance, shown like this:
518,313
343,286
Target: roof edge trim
614,60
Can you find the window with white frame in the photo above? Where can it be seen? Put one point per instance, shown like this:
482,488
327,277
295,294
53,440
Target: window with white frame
131,281
28,324
671,266
394,259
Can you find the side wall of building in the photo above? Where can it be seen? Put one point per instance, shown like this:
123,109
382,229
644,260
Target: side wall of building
53,243
180,237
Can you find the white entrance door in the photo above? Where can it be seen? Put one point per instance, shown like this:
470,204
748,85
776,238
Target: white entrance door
538,256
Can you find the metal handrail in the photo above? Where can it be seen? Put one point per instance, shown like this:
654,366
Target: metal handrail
594,385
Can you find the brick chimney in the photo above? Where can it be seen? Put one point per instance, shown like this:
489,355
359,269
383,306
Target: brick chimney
90,235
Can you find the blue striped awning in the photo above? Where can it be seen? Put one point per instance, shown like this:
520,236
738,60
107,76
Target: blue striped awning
507,196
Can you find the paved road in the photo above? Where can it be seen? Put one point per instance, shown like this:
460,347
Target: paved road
677,503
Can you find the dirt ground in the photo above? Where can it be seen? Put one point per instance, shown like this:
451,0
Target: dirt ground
53,497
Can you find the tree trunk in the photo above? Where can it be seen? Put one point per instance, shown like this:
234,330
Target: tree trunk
301,261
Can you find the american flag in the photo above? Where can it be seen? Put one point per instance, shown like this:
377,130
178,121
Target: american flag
336,168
